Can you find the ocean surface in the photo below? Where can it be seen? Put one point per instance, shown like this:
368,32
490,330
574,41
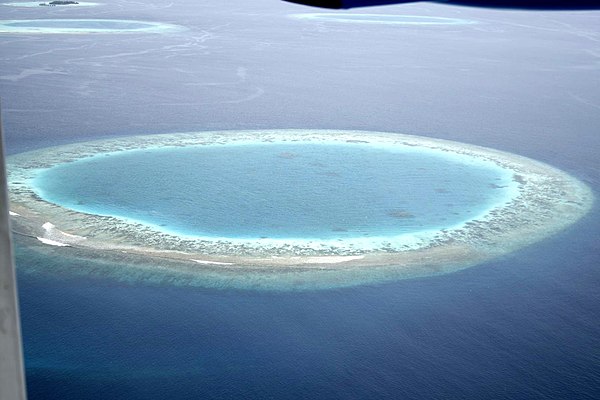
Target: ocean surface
520,327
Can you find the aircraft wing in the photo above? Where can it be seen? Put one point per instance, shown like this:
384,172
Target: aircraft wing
515,4
12,379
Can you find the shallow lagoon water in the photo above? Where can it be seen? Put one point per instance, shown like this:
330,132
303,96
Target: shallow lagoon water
306,191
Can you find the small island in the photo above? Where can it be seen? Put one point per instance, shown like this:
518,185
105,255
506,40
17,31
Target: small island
59,3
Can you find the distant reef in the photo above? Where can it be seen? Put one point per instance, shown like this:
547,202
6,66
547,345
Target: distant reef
59,3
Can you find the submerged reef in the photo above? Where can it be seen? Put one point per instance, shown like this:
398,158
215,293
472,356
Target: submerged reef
59,3
56,3
541,201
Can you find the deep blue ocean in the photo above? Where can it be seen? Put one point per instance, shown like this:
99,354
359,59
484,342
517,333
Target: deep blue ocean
521,327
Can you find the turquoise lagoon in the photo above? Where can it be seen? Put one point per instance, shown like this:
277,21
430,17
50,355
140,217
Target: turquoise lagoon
275,190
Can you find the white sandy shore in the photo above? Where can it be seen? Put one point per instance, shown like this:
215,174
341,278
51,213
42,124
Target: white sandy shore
52,242
210,262
54,236
327,259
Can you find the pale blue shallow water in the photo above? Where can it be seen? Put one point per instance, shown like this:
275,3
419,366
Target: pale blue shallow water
521,327
316,191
